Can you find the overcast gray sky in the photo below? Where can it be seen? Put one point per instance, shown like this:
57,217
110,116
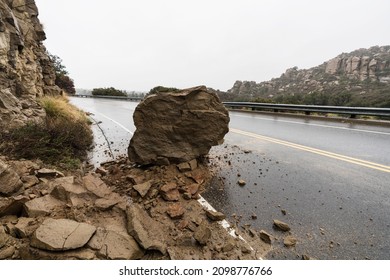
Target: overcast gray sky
139,44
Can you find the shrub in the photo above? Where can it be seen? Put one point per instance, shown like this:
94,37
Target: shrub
108,92
62,138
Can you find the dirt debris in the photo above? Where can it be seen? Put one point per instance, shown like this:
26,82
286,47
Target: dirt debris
128,212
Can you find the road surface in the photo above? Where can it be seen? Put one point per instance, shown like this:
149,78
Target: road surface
330,181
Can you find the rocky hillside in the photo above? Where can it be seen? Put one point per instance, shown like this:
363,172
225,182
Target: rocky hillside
25,69
359,78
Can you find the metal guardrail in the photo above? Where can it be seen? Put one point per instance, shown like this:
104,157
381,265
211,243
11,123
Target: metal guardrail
109,97
307,109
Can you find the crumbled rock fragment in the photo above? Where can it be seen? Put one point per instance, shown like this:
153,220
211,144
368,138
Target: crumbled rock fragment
289,241
202,233
143,188
49,173
42,206
281,225
29,181
241,183
7,252
215,215
170,192
9,180
144,229
113,245
265,236
175,211
184,167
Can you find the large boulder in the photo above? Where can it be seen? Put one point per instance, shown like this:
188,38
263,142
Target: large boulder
175,127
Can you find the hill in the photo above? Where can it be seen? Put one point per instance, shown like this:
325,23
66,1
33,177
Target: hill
358,78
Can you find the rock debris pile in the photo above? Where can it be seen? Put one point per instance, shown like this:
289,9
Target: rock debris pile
122,212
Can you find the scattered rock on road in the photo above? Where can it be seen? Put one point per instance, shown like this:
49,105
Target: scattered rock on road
281,225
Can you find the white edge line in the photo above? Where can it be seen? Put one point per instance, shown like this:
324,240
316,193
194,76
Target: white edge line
224,223
119,124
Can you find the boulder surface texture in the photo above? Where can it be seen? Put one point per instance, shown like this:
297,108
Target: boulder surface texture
175,127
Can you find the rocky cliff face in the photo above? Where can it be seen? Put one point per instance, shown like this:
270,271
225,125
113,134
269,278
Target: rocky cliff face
25,69
359,78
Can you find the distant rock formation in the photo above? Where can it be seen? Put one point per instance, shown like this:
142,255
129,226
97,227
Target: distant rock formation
175,127
359,78
25,69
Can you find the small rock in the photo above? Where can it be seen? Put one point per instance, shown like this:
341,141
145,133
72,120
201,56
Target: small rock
306,257
228,246
175,211
42,206
49,173
7,252
25,227
170,192
32,196
144,229
9,180
3,237
202,233
289,241
254,216
191,189
187,196
281,225
105,204
241,183
265,236
284,212
29,181
143,188
96,186
246,248
193,164
184,167
214,215
44,192
135,180
183,224
101,171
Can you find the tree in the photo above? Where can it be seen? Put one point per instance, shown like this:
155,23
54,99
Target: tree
63,80
108,92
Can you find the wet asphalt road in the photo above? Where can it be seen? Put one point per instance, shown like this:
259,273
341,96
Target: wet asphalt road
331,179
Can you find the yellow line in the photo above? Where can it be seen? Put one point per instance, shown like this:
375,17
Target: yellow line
360,162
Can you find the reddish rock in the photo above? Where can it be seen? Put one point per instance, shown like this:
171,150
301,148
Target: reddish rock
175,211
170,192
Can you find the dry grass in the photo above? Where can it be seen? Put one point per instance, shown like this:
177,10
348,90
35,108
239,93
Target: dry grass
61,139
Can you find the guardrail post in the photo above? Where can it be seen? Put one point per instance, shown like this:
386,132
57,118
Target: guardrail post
307,113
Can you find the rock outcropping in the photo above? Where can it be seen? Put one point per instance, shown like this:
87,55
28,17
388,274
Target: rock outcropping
175,127
359,78
26,71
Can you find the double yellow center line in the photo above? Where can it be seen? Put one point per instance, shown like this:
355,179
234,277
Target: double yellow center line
360,162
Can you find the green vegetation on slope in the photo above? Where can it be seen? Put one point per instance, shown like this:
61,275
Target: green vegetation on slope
62,138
